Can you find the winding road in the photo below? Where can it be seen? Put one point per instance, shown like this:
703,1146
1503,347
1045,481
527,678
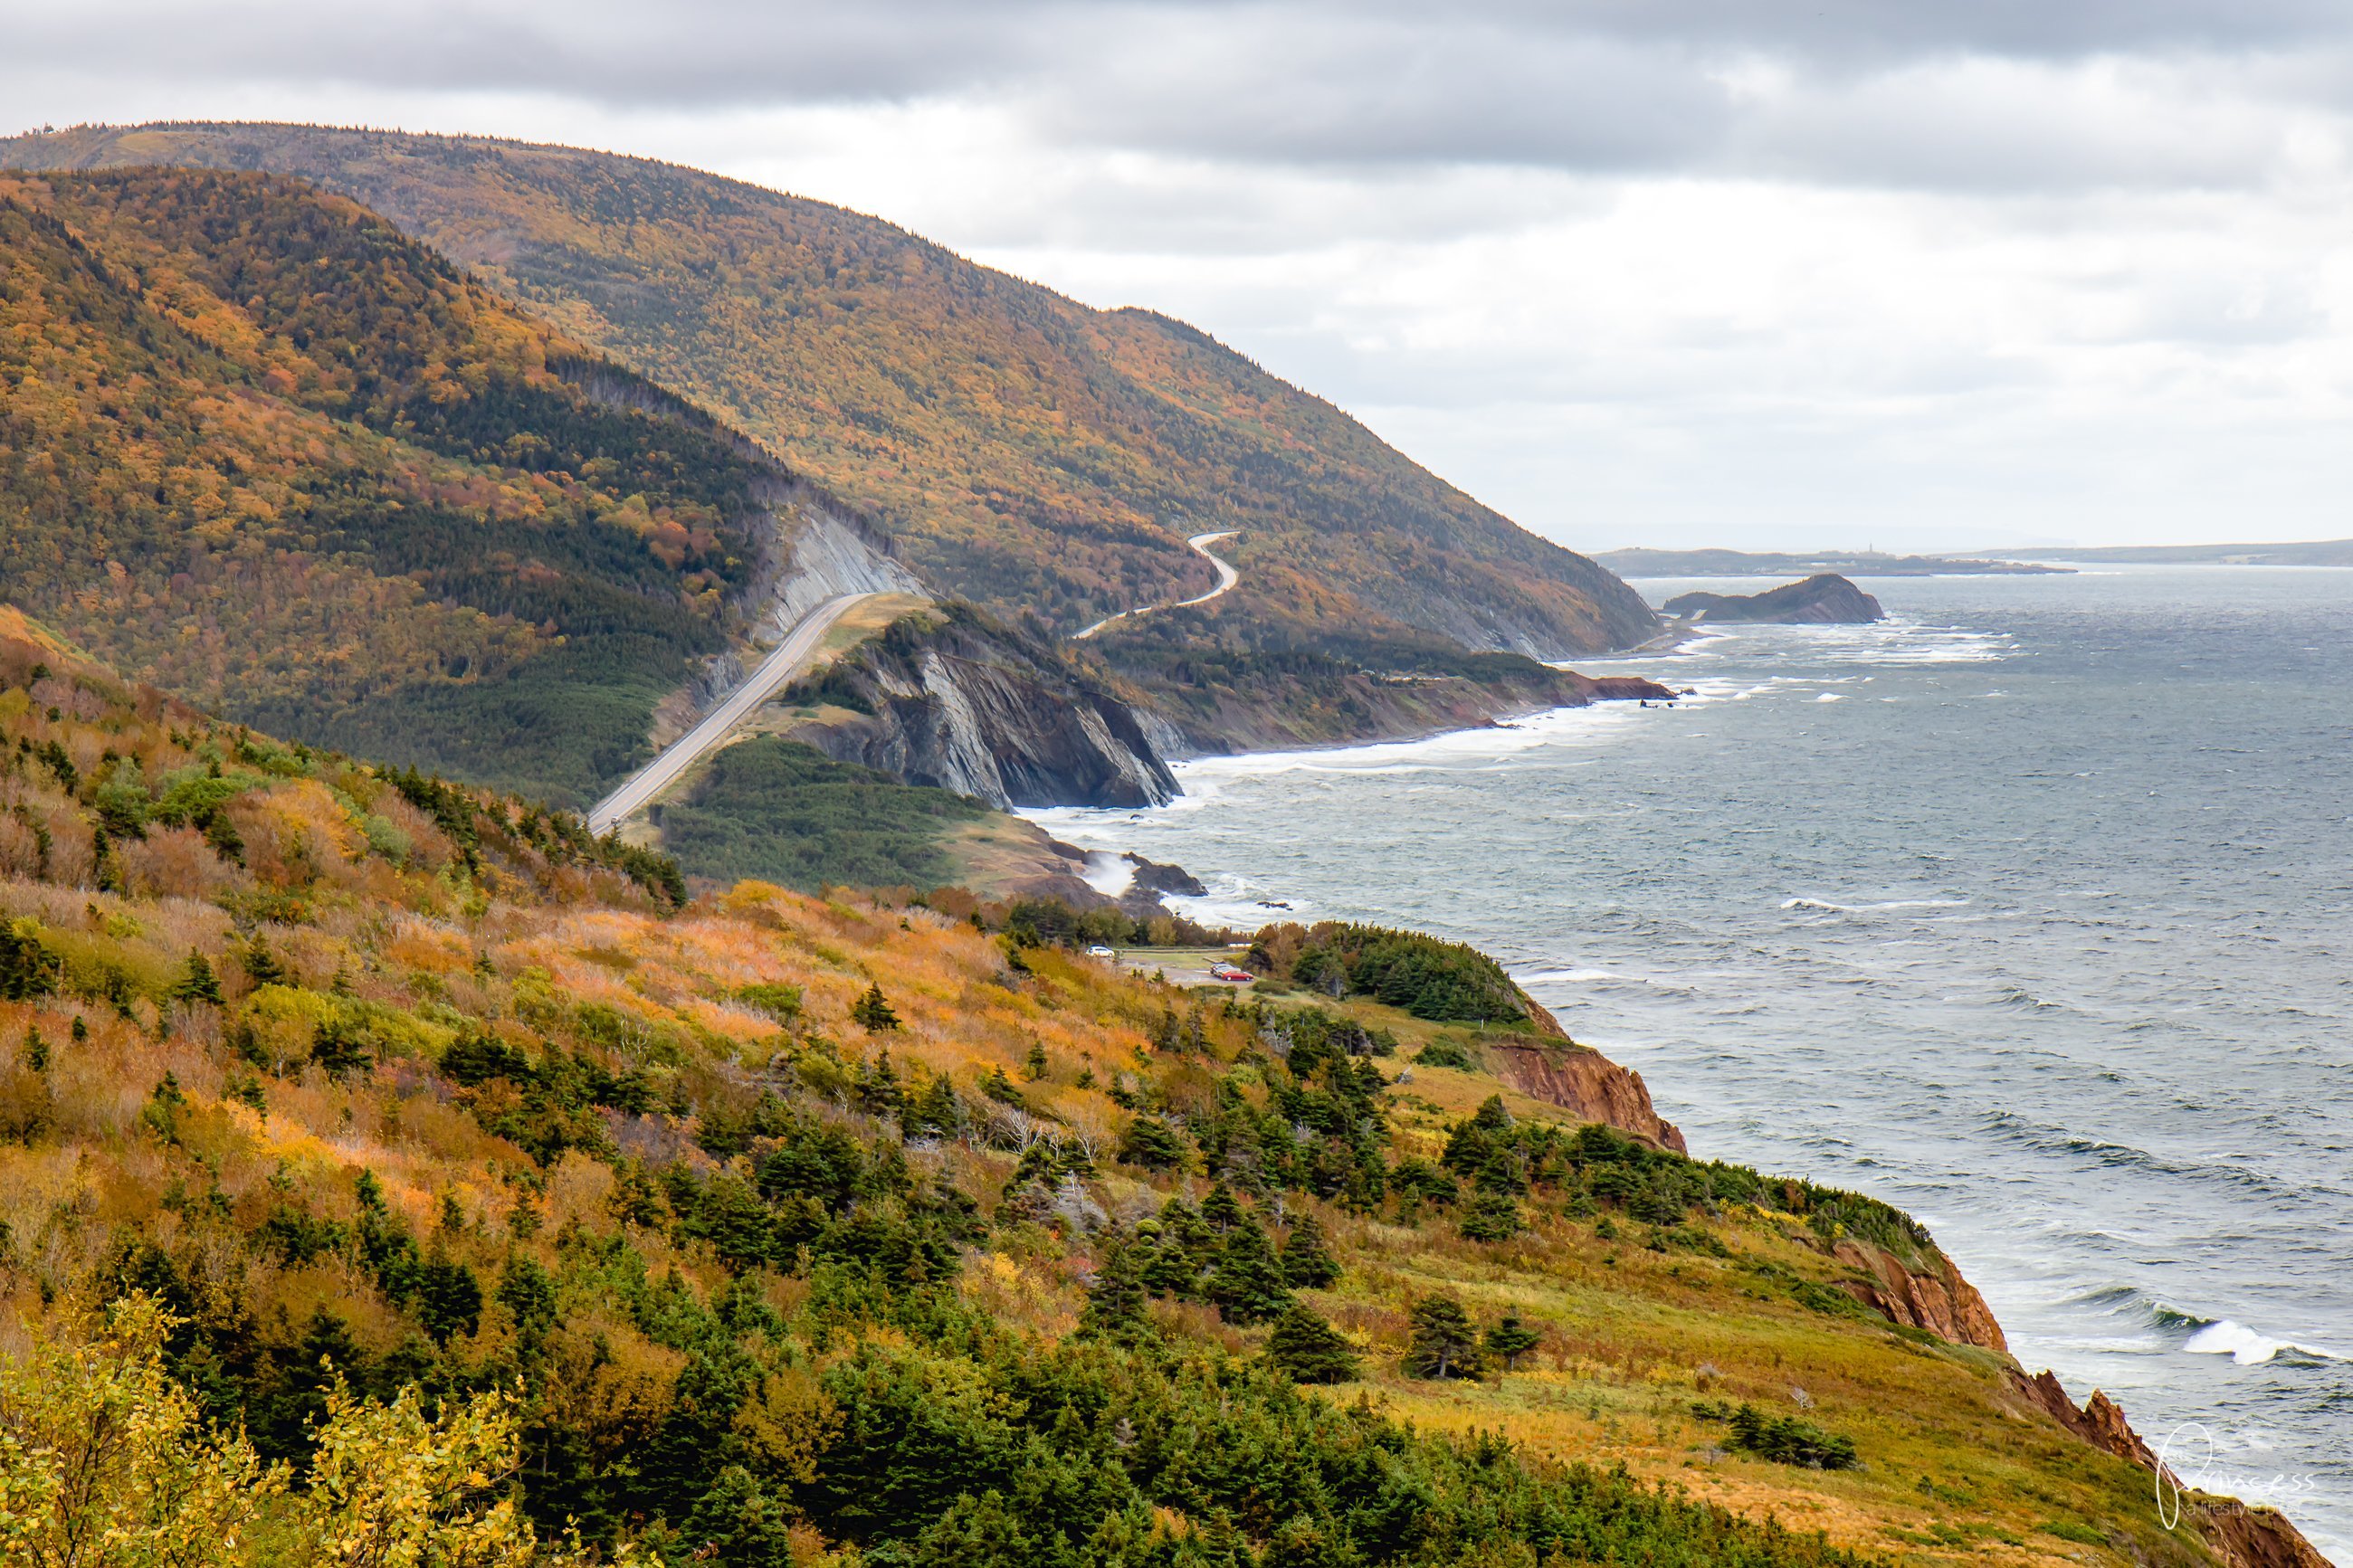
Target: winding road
763,683
1227,578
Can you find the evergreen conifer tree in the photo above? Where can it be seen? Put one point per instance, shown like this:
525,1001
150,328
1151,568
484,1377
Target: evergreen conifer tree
1167,1267
1491,1216
1247,1284
1220,1209
26,968
1511,1340
1307,1261
261,965
1444,1343
879,1093
873,1011
338,1047
936,1108
197,983
1309,1350
1115,1299
1152,1143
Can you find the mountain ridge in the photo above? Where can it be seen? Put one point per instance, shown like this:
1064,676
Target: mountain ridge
1025,451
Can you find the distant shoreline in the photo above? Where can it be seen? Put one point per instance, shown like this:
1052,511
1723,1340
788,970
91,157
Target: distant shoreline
1863,564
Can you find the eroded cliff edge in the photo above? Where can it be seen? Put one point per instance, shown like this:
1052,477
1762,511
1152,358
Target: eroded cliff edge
951,698
1912,1287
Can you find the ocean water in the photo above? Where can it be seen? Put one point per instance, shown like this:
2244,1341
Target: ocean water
2029,911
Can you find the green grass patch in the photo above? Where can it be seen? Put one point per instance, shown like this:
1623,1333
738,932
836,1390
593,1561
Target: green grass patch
785,812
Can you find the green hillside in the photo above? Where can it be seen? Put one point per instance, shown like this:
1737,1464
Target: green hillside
484,1191
1029,453
258,447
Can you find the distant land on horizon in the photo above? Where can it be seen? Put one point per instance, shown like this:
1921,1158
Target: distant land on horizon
2309,553
1768,564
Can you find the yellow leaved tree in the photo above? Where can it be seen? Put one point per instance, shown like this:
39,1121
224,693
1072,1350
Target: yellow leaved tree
105,1462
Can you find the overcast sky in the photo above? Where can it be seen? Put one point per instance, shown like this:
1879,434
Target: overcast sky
1779,273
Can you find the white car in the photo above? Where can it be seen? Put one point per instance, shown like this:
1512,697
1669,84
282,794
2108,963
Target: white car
1099,951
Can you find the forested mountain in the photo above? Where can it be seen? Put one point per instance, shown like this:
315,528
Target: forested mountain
1029,453
256,446
391,1173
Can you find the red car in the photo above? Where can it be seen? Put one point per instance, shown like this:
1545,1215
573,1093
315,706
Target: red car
1228,972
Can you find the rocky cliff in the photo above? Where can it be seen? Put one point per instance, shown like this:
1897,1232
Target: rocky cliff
952,699
1580,1079
2241,1536
1825,599
1934,1297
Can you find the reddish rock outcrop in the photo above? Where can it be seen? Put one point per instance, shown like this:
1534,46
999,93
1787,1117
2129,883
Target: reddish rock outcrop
2241,1536
1583,1082
1940,1301
2252,1537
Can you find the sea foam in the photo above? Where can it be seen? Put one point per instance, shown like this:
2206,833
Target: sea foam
2247,1347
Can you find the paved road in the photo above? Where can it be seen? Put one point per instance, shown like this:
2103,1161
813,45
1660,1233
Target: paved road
762,684
1227,578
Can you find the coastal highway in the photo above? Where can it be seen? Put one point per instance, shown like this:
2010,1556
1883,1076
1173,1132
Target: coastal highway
739,705
1227,578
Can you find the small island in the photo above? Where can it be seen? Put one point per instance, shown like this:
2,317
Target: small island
1826,599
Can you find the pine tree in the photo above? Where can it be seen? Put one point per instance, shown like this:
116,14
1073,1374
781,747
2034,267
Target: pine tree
1307,1261
1151,1143
1511,1340
879,1093
1491,1216
36,1051
937,1110
873,1011
27,967
261,965
1443,1343
338,1047
1171,1265
1115,1299
1034,1064
197,983
1247,1284
1220,1210
1309,1350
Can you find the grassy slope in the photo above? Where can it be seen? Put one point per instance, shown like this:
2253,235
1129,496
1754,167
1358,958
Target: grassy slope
784,812
237,1192
1031,453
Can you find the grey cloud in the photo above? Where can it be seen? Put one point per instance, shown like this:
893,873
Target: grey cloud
690,54
1273,86
1877,92
1855,30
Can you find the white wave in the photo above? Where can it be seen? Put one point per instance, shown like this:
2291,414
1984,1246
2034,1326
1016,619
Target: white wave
1828,908
2245,1346
1455,746
1108,874
1829,697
